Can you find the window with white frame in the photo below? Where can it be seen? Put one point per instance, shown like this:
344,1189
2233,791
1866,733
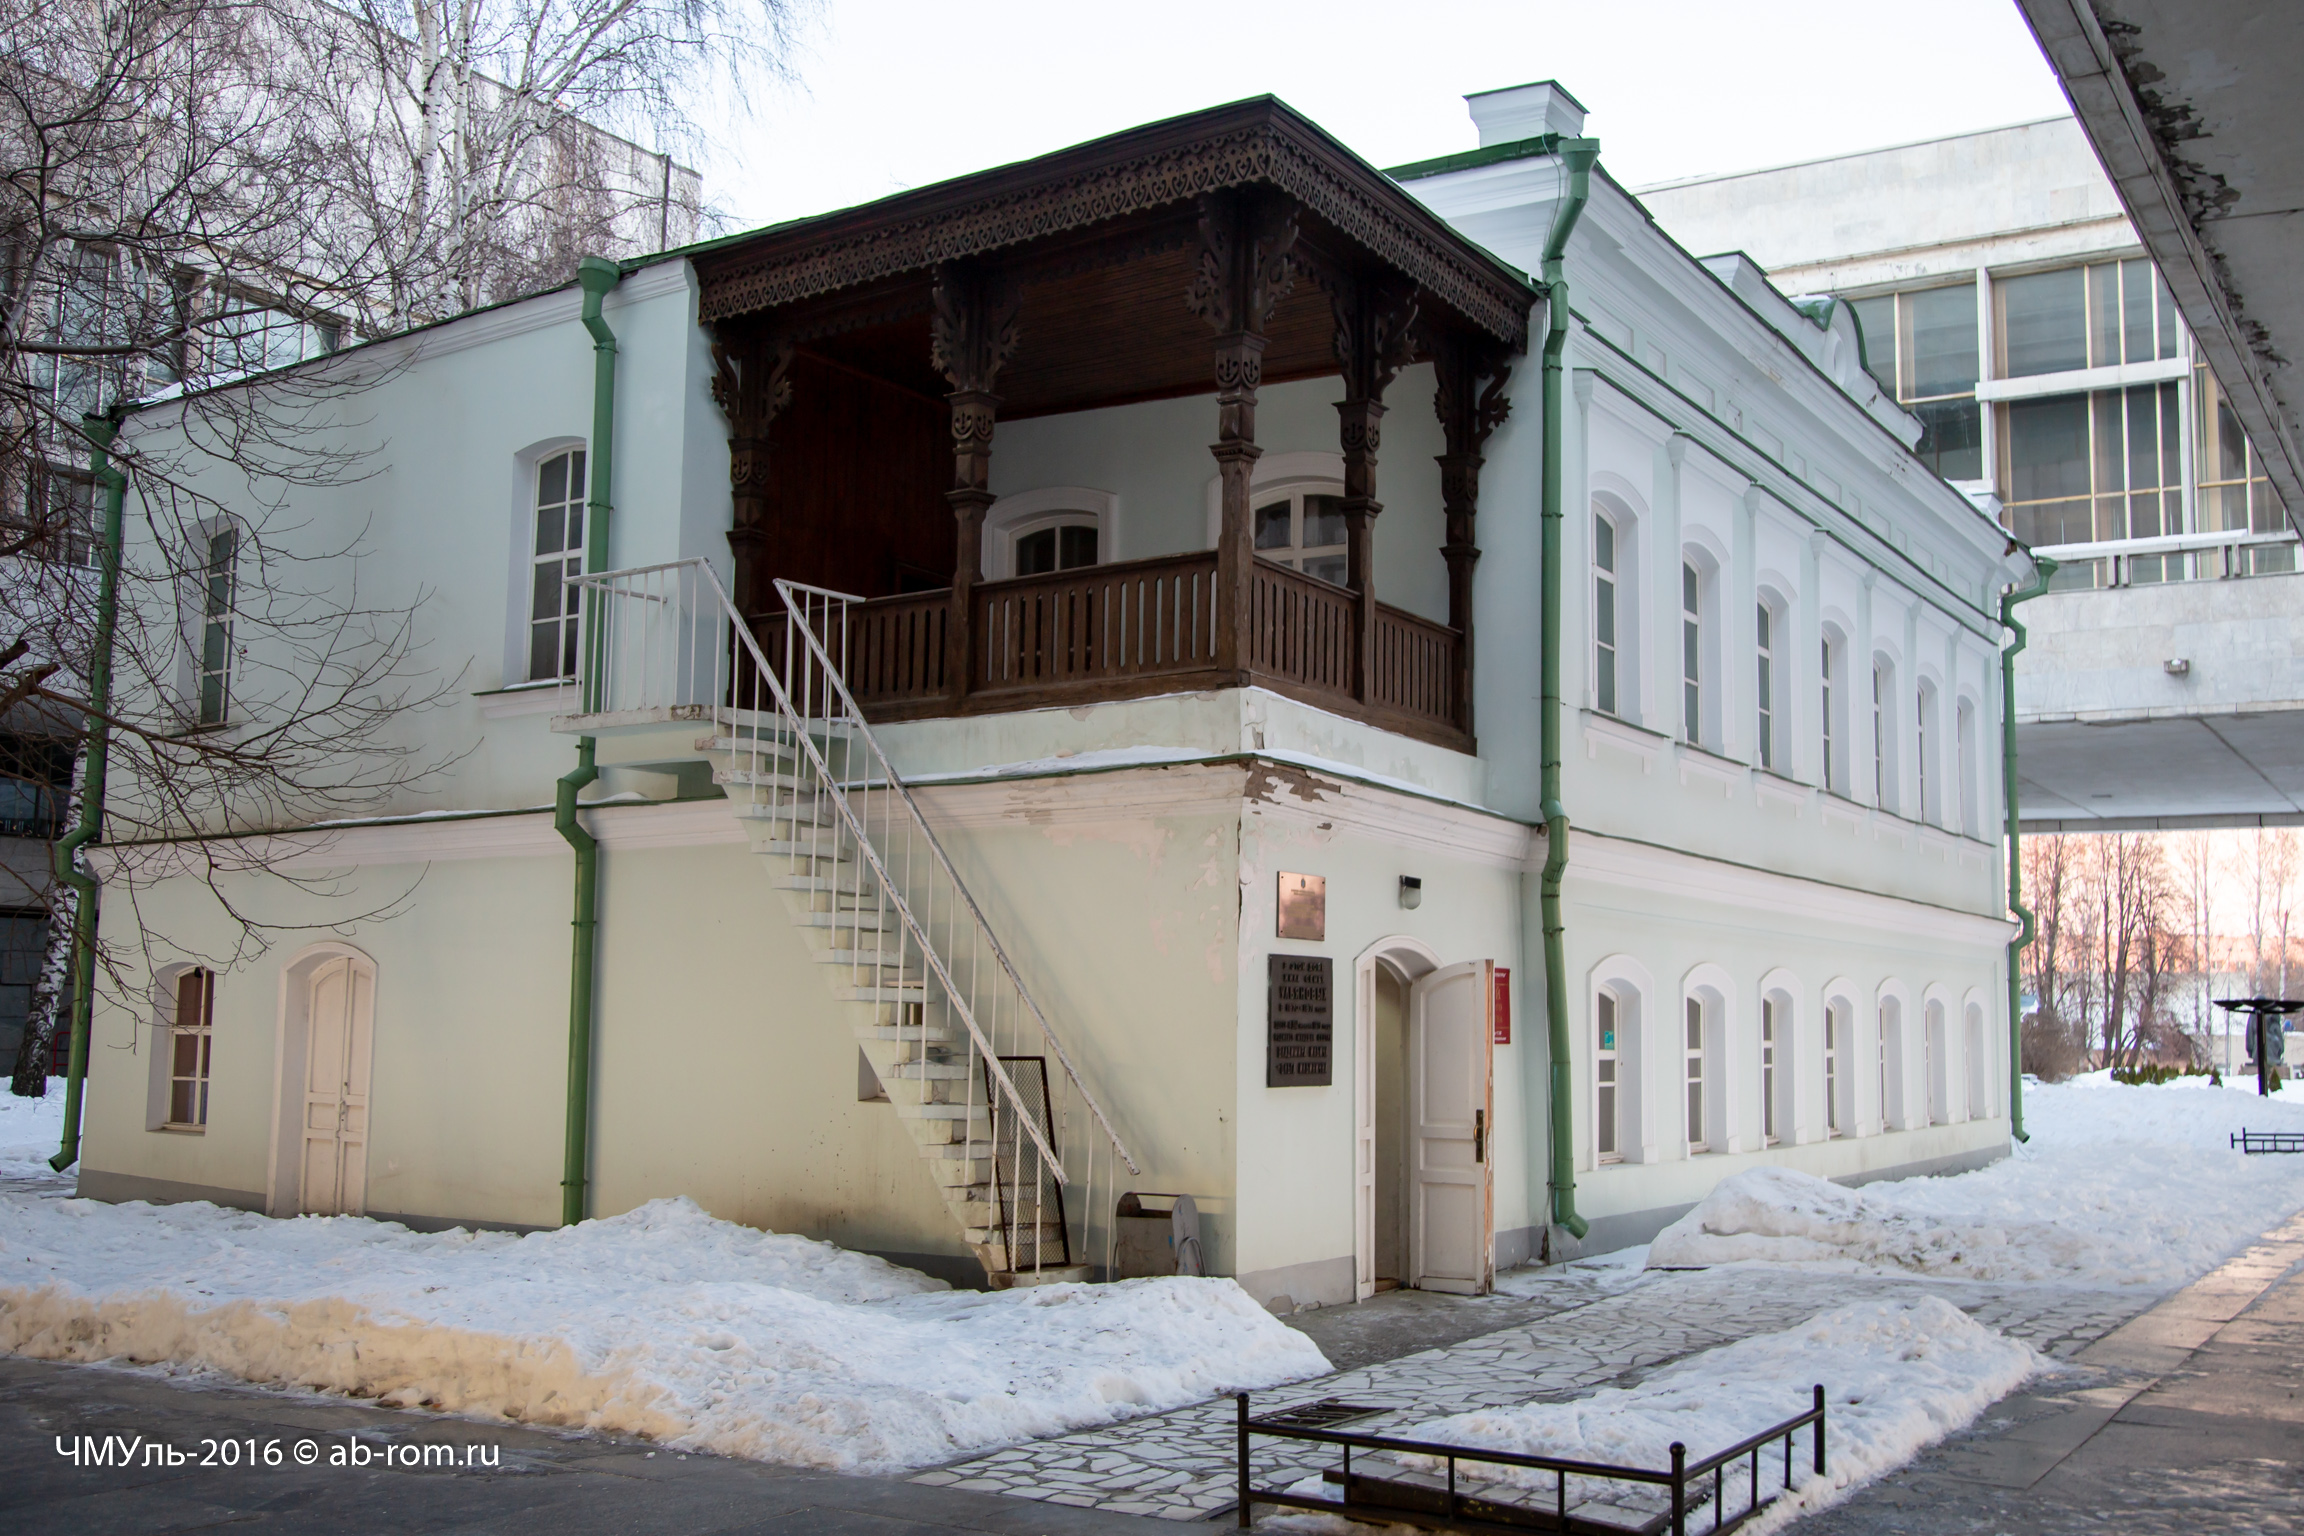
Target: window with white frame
1925,735
1891,1030
1691,652
1835,1042
1607,1105
1832,694
1979,1093
1884,735
1063,543
1604,655
1936,1065
188,1049
1768,1131
557,553
1964,745
1304,529
1764,683
1699,1138
219,556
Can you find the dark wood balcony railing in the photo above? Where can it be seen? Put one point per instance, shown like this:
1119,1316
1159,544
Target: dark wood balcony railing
1148,626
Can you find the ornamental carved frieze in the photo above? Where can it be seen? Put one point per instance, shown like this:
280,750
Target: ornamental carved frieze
1271,153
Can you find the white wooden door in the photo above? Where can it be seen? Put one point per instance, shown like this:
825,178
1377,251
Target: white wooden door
335,1168
1451,1226
1364,1134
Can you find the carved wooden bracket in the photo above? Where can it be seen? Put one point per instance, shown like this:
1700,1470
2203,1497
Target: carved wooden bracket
751,384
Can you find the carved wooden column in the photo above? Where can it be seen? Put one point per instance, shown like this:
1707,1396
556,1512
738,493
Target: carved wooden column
1245,271
971,335
750,385
1373,343
1472,404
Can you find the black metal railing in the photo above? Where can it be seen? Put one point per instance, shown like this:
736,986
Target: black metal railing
1381,1499
2269,1141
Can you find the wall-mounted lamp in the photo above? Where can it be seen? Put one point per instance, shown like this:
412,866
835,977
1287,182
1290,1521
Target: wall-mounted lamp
2178,666
1411,892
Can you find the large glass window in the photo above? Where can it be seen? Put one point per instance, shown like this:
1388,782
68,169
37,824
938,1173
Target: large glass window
1768,1070
1921,346
59,517
2080,469
2097,316
2232,492
559,554
1305,529
1603,614
1066,547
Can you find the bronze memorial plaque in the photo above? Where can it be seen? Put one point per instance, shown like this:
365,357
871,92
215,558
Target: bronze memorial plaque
1300,1021
1304,907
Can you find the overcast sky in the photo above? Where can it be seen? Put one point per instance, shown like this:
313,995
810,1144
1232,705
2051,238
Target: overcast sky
900,93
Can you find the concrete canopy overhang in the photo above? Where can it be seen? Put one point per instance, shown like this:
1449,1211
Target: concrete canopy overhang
2193,108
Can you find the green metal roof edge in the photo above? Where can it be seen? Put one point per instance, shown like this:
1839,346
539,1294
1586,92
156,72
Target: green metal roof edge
1473,159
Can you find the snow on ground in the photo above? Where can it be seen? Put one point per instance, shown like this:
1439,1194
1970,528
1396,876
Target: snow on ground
2119,1186
662,1322
29,1132
1898,1375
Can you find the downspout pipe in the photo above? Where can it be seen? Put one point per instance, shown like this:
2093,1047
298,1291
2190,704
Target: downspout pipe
2044,568
1578,156
100,431
596,276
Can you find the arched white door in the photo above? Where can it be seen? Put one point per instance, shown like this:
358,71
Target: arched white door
339,1005
1452,1226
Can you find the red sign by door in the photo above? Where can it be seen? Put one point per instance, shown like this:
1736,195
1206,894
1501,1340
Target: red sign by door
1503,1006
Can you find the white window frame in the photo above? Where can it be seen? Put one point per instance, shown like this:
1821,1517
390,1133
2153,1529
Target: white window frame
1296,554
1886,743
1839,1012
1964,743
168,1029
1927,730
1607,649
1608,1084
1771,1131
1024,513
1693,694
1832,714
1767,690
568,558
1697,1106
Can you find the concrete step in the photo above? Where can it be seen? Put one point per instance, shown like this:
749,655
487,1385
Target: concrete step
911,994
973,1114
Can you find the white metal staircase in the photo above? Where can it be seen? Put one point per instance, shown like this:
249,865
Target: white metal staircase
1023,1155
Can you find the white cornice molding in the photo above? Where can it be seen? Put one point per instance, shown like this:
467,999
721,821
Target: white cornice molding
1602,860
1283,791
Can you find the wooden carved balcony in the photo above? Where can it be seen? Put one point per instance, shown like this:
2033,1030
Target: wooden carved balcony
1143,627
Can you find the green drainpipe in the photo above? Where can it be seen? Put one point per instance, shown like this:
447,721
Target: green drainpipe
2044,568
101,430
597,275
1579,154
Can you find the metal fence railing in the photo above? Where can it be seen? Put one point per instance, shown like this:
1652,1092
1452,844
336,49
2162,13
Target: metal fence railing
904,935
1445,1501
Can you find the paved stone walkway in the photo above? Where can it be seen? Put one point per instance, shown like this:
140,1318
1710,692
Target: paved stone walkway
1605,1330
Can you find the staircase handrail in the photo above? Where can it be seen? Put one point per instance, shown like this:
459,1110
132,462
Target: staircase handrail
895,781
743,632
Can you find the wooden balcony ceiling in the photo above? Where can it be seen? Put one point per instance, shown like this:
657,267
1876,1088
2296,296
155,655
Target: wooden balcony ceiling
1101,240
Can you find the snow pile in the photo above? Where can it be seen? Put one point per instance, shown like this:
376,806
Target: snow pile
663,1322
2119,1186
1897,1375
29,1132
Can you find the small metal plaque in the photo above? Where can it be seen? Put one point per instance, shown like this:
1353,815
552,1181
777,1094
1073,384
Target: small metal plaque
1504,1005
1304,907
1300,1021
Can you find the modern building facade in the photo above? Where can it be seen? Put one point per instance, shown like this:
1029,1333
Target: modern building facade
1004,802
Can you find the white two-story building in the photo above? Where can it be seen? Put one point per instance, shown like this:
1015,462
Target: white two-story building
1001,801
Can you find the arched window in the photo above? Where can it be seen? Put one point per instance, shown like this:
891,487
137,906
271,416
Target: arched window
1691,652
1928,739
1606,656
1832,713
1884,735
1964,743
1608,1086
1768,624
556,553
1049,528
1702,1112
1064,542
1770,1125
1893,1114
1304,528
1937,1077
184,1020
1836,1081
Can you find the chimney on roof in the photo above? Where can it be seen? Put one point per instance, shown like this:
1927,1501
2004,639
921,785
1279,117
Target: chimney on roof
1525,112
